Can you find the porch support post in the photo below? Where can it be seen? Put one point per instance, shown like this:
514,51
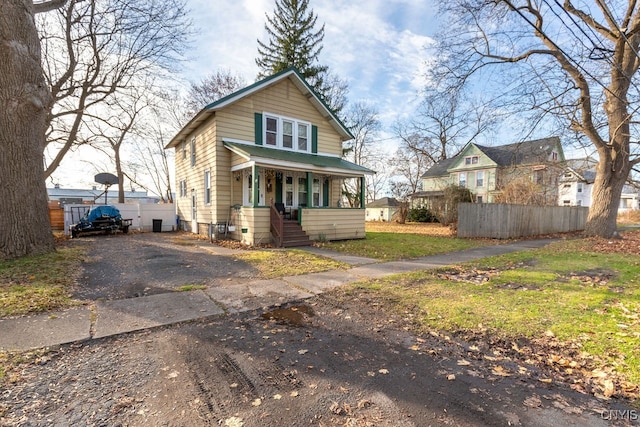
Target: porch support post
362,192
309,189
256,186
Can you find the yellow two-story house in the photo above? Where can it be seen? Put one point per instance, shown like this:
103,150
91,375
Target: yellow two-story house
264,164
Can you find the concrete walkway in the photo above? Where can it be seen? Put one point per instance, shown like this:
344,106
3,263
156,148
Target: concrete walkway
107,318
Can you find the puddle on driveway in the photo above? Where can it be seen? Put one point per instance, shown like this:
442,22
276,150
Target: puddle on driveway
296,315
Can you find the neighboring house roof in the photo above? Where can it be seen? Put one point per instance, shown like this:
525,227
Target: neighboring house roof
63,193
295,160
385,202
519,153
290,73
427,194
440,168
581,169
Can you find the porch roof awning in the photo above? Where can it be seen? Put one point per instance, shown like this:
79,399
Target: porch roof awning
271,157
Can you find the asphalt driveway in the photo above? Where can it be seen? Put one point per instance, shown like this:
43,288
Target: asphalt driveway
139,264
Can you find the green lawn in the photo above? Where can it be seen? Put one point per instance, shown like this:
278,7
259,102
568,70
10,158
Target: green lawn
591,300
39,283
388,246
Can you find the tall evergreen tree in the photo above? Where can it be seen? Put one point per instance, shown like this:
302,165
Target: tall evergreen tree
294,41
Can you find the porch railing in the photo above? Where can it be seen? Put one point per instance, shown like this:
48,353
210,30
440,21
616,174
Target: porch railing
277,226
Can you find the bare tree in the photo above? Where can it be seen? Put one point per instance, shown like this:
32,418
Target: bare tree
211,88
410,164
92,50
112,130
362,120
163,119
576,65
446,121
24,103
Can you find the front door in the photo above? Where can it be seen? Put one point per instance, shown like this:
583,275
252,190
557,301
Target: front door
194,212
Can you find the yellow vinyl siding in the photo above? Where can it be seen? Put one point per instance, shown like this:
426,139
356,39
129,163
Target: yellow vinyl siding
256,222
334,224
237,120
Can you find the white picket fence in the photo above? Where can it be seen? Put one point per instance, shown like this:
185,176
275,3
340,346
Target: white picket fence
141,214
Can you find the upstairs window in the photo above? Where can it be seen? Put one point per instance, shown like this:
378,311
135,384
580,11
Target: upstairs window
480,179
303,136
286,133
471,160
271,130
193,151
462,179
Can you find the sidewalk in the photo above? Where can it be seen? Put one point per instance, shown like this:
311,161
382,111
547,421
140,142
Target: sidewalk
107,318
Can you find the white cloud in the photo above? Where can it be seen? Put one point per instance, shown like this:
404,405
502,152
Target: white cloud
373,44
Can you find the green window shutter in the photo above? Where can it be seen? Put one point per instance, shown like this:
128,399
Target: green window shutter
314,139
258,128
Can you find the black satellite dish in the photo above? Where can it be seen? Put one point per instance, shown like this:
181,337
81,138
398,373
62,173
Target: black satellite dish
107,179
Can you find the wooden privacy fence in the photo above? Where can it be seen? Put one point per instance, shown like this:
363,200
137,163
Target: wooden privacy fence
503,221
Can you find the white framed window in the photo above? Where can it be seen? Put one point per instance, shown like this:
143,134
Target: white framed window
286,133
271,131
183,188
471,160
207,187
303,137
480,179
184,150
462,179
193,151
579,187
479,199
316,198
302,192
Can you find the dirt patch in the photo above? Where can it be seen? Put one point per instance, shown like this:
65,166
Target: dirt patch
593,277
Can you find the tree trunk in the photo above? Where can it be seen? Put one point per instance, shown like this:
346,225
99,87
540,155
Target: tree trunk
605,199
24,102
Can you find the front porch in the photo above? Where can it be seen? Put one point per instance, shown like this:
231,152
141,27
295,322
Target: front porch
307,190
253,225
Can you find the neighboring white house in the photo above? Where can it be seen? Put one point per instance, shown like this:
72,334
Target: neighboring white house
97,195
381,209
576,184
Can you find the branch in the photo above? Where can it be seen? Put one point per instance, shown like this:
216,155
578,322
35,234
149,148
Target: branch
47,6
588,19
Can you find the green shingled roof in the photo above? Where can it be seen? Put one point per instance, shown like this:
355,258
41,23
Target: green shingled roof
313,162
